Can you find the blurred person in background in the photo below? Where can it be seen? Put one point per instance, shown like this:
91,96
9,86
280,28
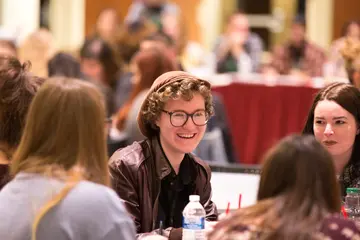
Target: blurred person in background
238,50
150,10
354,72
37,48
108,25
99,65
62,157
298,54
156,176
17,89
146,66
127,45
65,65
344,50
8,48
334,120
298,198
161,41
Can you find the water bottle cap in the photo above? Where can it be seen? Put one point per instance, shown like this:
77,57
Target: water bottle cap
353,190
194,198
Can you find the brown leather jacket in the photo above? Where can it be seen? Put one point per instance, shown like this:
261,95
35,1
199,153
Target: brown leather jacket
136,173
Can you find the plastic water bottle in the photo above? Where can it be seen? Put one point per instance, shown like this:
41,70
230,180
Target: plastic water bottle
194,220
352,203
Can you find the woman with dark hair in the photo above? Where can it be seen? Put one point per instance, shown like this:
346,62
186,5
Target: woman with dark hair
147,65
99,65
298,198
98,62
334,120
17,89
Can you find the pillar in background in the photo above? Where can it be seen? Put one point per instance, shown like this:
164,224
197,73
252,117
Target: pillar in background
288,9
67,23
319,20
21,17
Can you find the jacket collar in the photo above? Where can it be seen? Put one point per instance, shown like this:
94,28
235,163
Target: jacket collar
163,167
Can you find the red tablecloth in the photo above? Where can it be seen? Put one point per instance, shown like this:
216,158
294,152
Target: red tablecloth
261,115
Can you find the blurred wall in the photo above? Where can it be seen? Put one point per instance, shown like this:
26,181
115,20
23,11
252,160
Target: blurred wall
20,17
343,11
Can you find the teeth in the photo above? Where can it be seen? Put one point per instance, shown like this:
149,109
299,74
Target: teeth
186,135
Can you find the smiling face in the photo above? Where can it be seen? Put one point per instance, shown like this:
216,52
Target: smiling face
181,140
335,128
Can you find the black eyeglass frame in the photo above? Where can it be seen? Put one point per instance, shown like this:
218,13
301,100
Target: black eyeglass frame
187,117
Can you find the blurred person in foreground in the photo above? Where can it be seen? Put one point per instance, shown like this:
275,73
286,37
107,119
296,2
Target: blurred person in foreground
298,198
156,176
17,89
60,187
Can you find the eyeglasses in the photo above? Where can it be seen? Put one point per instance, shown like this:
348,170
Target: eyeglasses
180,118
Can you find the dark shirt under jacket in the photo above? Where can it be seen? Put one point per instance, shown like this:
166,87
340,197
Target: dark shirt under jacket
175,192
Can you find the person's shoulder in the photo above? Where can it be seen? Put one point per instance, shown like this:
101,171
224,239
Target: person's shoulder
94,198
131,156
202,164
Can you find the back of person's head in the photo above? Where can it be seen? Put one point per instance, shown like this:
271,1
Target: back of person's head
301,171
64,65
299,177
298,190
147,65
65,133
17,89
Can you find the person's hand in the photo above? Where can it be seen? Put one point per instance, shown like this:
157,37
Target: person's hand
154,237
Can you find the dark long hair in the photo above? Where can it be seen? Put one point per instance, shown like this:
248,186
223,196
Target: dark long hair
298,190
348,97
98,49
151,63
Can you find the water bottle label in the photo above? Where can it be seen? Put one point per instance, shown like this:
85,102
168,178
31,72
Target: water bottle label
194,223
194,228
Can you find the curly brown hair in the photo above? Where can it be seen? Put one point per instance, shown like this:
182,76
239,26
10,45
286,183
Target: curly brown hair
184,89
17,89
